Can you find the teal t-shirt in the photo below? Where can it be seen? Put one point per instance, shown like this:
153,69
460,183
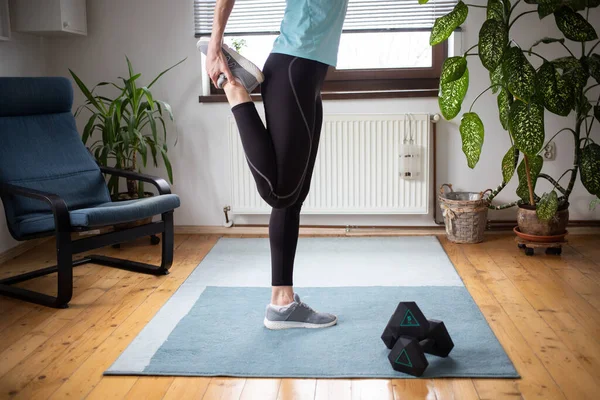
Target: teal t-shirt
311,29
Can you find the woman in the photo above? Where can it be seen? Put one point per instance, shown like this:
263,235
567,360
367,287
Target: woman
282,155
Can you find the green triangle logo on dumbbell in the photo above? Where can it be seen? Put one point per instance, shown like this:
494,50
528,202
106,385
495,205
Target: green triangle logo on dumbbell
409,320
403,359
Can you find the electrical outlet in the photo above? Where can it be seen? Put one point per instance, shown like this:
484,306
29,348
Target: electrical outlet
549,152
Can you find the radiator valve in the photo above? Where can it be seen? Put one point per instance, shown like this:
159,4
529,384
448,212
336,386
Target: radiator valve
228,223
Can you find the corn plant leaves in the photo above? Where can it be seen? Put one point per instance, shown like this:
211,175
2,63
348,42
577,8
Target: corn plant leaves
495,10
555,91
546,208
471,133
452,94
574,26
444,26
527,126
519,74
509,162
589,164
535,167
453,69
493,38
504,103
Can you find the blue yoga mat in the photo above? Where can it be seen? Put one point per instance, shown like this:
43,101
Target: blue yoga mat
218,330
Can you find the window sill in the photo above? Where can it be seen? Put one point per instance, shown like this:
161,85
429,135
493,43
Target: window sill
384,94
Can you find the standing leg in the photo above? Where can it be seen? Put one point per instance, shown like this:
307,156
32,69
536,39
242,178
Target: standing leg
284,228
286,309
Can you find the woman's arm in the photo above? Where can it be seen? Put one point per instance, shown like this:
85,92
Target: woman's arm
215,60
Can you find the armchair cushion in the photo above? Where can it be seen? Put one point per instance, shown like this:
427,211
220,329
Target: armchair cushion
104,214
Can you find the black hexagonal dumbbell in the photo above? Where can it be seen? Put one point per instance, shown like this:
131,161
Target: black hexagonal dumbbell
412,336
407,320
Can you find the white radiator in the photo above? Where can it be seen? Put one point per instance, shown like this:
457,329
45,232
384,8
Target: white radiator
357,171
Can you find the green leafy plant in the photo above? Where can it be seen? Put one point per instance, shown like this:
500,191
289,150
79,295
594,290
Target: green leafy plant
238,44
525,92
129,125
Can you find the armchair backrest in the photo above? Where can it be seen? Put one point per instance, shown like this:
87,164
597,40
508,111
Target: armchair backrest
41,149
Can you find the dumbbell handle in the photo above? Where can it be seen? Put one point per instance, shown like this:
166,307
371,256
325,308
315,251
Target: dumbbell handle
427,344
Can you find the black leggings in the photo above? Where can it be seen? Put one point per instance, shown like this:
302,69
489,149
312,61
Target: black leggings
282,156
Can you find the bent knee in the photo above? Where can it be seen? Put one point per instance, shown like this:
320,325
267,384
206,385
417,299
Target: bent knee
275,201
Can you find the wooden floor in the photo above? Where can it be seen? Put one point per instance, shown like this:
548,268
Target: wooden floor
545,310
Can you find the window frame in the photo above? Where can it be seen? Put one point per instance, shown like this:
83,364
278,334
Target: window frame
371,83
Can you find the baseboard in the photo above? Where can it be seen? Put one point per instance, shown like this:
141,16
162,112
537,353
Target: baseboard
20,249
263,231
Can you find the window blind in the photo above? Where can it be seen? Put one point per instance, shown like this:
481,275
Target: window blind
256,17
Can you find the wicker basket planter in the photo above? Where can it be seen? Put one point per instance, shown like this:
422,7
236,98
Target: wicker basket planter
465,215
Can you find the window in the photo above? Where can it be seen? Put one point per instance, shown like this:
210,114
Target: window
384,49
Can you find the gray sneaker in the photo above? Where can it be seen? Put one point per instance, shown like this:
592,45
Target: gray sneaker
244,71
298,315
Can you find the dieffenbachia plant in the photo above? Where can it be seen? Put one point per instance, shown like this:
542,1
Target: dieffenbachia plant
524,92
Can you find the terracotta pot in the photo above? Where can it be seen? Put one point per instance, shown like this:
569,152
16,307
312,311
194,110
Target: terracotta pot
133,224
530,224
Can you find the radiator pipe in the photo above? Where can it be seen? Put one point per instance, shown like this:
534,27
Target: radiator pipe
434,120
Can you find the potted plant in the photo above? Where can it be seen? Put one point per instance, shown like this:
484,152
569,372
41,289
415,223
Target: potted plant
524,93
131,126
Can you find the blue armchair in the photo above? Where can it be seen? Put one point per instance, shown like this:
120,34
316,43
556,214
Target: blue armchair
50,185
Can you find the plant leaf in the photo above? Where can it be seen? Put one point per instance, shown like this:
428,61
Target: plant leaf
451,96
444,26
423,1
453,69
527,127
164,72
593,66
152,125
496,78
519,74
574,73
509,162
504,103
547,40
86,92
472,134
163,151
129,67
597,112
167,107
589,165
594,203
574,26
493,38
495,10
89,127
583,106
547,7
547,206
555,91
535,167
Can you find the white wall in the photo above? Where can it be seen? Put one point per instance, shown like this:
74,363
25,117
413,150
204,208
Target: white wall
158,33
23,55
